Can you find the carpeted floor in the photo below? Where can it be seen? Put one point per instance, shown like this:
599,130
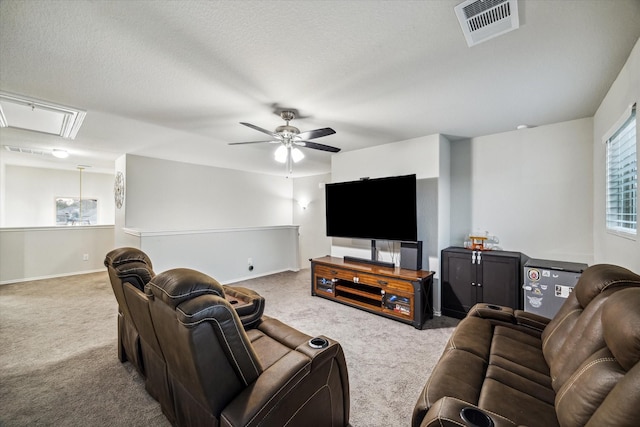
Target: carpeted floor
59,365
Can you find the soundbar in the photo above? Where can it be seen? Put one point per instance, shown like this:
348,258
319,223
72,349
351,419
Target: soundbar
369,261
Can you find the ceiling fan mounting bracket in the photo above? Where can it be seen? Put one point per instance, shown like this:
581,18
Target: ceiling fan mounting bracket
287,115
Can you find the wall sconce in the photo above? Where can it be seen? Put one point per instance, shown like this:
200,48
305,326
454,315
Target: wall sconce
303,203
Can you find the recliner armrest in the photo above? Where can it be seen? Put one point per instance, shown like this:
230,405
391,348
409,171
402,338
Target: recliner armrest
447,411
319,356
248,304
272,386
493,312
531,320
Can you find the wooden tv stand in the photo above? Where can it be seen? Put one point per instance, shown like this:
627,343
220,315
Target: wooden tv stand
396,293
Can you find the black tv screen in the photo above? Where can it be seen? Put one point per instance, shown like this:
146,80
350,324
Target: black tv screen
381,208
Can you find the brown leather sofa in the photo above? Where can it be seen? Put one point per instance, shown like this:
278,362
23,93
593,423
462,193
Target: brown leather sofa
221,374
511,368
130,269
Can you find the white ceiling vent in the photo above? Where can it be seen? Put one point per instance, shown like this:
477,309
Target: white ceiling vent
20,112
482,20
24,150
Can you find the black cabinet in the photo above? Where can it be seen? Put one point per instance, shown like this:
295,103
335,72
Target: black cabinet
470,277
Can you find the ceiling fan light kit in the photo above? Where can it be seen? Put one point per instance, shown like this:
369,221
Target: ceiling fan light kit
290,138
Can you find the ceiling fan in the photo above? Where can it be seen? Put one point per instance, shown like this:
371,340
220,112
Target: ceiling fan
290,138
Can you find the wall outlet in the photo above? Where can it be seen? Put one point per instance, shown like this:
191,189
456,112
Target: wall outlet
85,257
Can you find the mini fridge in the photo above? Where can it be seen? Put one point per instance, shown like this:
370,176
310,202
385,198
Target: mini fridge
547,284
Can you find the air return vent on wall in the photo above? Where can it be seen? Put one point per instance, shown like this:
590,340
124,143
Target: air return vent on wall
482,20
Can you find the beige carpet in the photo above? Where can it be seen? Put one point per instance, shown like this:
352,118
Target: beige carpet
59,366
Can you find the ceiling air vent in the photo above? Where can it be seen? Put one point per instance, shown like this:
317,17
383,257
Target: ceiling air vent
21,112
24,150
482,20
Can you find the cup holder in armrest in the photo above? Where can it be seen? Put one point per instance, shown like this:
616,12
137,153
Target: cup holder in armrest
318,342
494,307
474,417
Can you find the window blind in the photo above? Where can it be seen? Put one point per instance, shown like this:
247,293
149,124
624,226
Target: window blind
622,178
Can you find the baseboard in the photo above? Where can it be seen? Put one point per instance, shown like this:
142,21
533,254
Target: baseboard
51,276
255,276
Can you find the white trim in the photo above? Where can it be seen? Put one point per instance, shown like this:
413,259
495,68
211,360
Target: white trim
148,233
52,276
56,228
623,234
263,274
618,124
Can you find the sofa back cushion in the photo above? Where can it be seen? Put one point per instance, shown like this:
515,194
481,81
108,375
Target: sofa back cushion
604,390
576,332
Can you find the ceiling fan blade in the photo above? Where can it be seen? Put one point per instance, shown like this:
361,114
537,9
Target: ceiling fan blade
316,146
259,129
250,142
317,133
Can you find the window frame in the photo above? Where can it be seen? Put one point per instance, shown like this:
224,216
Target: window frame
629,117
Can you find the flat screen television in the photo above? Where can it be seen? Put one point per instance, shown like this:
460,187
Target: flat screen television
376,209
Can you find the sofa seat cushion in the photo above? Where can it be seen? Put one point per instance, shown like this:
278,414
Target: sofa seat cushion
268,350
519,407
521,354
497,368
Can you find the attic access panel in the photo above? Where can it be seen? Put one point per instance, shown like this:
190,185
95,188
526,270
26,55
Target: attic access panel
20,112
482,20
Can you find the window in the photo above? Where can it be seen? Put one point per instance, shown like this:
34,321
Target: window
622,178
72,211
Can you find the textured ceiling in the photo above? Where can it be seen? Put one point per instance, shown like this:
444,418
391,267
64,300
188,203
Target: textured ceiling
172,79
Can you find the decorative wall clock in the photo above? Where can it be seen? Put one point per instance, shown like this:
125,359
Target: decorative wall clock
118,190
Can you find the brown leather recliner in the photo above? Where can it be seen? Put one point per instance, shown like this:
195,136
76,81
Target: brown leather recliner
130,269
511,368
222,374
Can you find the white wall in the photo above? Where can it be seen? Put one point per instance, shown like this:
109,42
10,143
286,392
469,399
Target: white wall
444,196
207,218
419,156
314,242
625,91
43,252
533,189
225,254
30,192
168,195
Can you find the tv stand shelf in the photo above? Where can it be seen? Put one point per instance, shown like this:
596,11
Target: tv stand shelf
396,293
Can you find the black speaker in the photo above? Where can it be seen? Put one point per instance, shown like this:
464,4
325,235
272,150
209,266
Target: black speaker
411,255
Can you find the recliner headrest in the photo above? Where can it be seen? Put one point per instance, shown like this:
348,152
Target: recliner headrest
181,284
621,326
130,265
598,278
126,255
